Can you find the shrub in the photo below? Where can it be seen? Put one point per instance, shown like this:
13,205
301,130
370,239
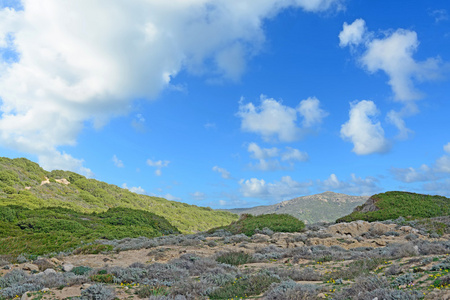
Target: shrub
290,290
248,224
244,287
98,292
105,278
146,291
81,270
234,258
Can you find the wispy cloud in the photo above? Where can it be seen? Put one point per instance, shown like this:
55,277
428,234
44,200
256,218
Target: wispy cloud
223,172
117,162
158,164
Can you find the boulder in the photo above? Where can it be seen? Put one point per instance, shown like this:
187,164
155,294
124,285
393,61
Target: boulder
30,267
357,228
67,267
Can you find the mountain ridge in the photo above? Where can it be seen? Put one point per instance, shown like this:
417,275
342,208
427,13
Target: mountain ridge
324,207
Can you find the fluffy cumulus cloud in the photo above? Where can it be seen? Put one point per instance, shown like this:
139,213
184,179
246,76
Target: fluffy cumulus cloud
438,170
286,188
363,130
73,64
158,164
311,112
223,172
352,34
277,122
355,185
269,158
392,53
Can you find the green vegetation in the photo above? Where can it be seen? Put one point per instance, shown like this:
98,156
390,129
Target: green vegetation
235,258
249,225
45,230
20,185
244,287
391,205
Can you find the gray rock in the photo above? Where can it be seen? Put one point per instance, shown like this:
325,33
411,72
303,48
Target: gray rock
67,267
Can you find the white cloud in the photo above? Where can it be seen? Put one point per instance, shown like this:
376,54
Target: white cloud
352,34
82,62
284,189
311,112
117,162
439,15
363,131
267,157
292,154
393,54
355,185
262,153
275,121
134,189
436,171
224,173
158,164
53,160
199,196
447,148
171,197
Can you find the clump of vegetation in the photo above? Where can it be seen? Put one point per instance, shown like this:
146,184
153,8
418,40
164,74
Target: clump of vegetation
244,287
249,224
392,205
235,258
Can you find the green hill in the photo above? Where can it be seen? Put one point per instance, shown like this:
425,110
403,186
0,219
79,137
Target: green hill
21,185
44,230
391,205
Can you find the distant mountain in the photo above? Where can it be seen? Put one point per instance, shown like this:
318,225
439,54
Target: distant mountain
391,205
324,207
24,183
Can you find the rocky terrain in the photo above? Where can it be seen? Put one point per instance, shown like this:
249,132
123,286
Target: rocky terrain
324,207
358,260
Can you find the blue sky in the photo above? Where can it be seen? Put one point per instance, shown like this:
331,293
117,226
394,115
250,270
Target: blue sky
231,103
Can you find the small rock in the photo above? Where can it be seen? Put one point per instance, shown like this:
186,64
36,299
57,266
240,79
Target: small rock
321,295
67,267
380,242
55,261
45,290
49,271
30,267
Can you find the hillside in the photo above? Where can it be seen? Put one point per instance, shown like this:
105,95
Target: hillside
24,183
46,230
391,205
324,207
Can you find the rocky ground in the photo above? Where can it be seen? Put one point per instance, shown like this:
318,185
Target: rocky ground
357,260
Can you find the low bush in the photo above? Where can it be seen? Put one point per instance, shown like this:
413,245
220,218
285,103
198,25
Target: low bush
234,258
249,224
98,292
244,287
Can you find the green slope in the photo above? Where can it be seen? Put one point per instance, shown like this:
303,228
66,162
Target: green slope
391,205
44,230
20,184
